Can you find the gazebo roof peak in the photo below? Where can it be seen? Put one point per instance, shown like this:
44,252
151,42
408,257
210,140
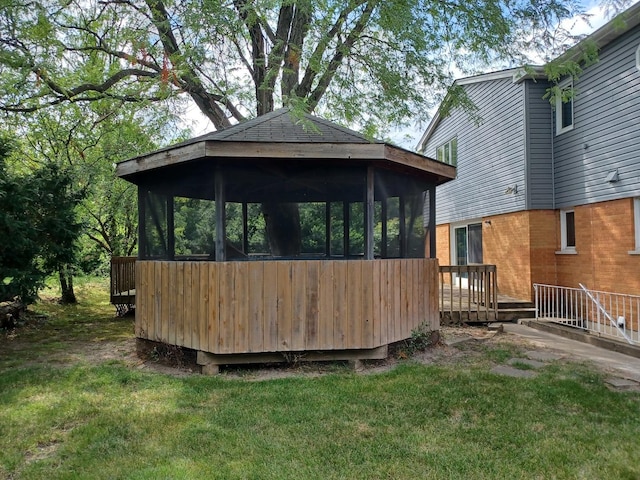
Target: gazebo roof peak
281,126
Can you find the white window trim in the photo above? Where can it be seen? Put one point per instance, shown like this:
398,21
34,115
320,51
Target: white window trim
452,237
636,221
638,57
562,86
564,249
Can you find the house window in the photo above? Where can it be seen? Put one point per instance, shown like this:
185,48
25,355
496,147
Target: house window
567,231
638,57
636,225
564,107
448,152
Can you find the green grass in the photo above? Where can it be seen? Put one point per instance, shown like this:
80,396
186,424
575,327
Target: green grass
81,420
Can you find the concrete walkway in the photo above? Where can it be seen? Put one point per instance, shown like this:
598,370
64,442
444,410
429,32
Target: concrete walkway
625,366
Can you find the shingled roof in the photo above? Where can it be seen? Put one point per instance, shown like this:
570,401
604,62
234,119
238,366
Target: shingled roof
280,126
281,135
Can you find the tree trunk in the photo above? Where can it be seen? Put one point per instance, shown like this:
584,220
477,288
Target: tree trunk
283,228
66,286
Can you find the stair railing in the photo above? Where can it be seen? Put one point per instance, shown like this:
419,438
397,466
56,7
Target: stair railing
609,314
617,324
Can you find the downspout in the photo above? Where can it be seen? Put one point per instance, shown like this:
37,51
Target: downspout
553,165
527,141
553,192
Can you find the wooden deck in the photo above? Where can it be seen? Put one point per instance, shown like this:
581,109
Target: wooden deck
232,308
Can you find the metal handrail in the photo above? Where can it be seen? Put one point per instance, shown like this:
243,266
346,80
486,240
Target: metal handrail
604,313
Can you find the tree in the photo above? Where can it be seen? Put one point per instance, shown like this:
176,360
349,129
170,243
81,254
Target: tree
371,64
38,226
56,223
88,140
19,275
354,59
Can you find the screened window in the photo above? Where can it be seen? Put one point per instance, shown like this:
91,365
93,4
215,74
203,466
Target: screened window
448,152
564,107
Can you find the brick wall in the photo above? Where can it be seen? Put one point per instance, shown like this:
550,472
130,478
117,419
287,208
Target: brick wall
604,236
506,244
443,244
544,240
523,246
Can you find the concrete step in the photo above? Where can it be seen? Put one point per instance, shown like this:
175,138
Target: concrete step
512,314
515,304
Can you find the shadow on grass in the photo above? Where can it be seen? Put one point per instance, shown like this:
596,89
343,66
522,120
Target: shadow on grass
51,329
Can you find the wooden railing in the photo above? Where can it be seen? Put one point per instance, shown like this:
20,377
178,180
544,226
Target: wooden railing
285,306
123,283
468,293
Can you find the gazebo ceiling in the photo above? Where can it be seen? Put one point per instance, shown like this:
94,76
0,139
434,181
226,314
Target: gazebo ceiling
277,142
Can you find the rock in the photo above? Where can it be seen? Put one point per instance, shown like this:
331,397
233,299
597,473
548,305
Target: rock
10,313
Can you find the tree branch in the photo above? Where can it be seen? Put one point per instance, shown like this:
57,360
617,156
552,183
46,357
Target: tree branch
305,86
292,56
342,50
264,94
206,102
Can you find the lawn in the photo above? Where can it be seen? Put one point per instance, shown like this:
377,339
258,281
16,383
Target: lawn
65,417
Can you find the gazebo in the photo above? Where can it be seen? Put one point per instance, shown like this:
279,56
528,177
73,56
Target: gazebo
284,238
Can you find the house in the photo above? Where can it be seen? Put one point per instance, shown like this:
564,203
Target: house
548,193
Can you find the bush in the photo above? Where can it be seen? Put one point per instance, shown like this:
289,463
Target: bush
38,226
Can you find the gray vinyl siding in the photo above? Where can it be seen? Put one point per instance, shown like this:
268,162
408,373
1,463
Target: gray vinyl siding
538,146
490,155
606,133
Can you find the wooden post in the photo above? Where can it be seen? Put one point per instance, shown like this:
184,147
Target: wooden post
245,229
384,252
432,222
402,226
143,252
369,215
221,233
327,224
345,228
171,234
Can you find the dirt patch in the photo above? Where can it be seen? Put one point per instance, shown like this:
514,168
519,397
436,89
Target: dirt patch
455,345
479,339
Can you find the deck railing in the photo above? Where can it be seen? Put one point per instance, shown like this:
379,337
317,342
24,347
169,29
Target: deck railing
468,293
602,313
123,283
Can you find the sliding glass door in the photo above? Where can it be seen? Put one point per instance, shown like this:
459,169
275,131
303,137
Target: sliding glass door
467,246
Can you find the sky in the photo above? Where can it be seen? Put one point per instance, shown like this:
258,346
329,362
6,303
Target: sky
409,137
